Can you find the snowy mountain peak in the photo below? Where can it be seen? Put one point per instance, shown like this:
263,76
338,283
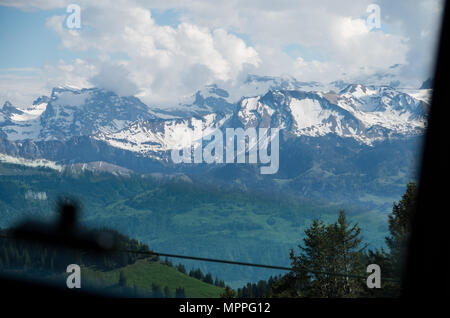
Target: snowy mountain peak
219,92
9,108
357,91
41,100
7,104
366,114
363,113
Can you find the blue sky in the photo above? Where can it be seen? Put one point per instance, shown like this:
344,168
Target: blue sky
32,44
168,17
26,42
171,48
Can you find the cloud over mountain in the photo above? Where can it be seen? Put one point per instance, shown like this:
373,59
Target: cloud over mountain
127,47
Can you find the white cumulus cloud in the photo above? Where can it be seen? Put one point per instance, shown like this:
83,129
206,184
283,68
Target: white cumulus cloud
223,41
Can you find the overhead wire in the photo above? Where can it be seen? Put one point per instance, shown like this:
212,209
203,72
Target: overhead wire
214,260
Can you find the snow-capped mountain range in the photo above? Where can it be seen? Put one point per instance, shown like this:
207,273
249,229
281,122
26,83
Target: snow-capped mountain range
364,113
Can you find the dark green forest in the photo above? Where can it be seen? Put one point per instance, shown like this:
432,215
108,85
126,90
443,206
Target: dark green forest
32,259
179,216
338,248
327,249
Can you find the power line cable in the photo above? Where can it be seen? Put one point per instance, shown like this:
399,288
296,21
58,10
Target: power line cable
214,260
284,268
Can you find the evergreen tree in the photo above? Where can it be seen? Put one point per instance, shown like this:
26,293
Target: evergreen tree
122,279
218,282
258,290
135,291
348,255
208,279
327,249
400,228
181,268
287,286
156,291
167,262
388,288
167,293
179,292
228,293
392,262
196,274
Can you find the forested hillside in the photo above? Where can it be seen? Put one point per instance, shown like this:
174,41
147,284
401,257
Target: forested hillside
175,215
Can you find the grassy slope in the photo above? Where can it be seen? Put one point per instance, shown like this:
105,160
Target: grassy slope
143,274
